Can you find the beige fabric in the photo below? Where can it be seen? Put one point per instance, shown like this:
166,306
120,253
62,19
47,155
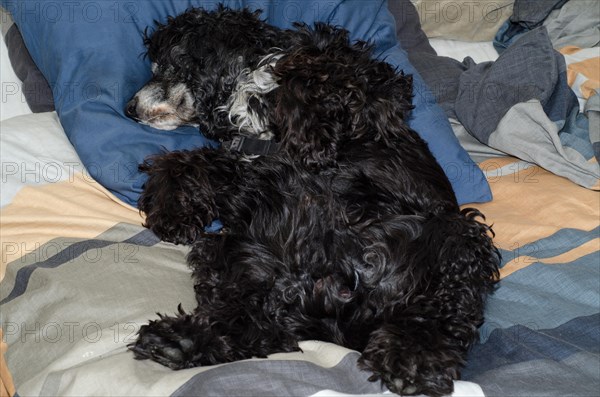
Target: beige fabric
463,19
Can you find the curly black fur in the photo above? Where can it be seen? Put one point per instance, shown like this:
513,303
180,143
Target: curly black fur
350,234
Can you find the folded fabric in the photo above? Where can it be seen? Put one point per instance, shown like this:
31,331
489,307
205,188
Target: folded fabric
527,15
576,23
592,111
408,27
522,104
92,54
569,23
583,71
528,69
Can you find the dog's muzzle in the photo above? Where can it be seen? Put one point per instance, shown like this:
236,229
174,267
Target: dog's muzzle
252,146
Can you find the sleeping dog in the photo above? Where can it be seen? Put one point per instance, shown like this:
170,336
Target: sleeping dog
338,223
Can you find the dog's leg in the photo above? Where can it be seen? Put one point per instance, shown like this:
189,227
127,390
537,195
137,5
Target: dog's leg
192,340
424,341
224,332
182,193
235,318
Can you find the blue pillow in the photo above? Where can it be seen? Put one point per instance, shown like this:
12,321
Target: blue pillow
91,53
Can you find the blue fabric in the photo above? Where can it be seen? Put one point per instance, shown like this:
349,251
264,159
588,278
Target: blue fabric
527,15
529,69
525,360
546,295
541,335
91,53
521,343
575,134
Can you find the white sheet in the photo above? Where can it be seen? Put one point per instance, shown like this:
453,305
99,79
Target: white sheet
35,151
479,51
461,389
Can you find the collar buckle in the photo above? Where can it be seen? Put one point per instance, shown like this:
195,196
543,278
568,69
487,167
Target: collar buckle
252,146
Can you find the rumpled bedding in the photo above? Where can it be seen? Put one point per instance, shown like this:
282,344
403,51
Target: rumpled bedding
533,102
80,274
569,23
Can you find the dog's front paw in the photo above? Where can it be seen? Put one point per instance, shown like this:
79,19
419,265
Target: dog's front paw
168,341
408,367
177,198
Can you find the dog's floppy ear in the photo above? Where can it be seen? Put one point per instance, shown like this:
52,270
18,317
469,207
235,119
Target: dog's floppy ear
311,108
386,108
329,95
308,126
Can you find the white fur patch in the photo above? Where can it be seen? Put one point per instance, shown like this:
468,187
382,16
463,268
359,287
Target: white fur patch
252,84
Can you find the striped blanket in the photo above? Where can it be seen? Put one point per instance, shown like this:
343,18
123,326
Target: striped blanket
80,275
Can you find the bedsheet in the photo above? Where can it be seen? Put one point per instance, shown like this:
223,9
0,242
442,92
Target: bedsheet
81,275
528,103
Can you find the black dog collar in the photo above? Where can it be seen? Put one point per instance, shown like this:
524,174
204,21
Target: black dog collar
252,146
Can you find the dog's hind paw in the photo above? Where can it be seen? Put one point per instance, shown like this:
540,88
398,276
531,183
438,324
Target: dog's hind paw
410,378
407,366
165,342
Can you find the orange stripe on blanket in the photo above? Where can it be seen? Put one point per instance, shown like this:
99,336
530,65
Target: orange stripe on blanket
497,163
589,88
569,50
516,264
533,203
584,63
79,209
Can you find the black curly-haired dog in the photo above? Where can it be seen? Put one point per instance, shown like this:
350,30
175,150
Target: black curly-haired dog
349,232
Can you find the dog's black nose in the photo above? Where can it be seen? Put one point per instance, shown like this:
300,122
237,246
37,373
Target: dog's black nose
131,108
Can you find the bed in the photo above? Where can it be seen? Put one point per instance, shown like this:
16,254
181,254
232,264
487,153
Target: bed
80,274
